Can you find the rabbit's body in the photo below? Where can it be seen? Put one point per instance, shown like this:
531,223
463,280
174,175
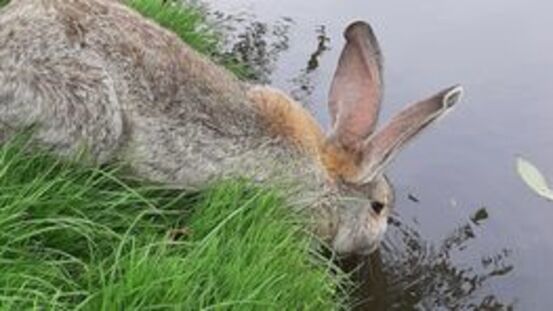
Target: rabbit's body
148,97
96,75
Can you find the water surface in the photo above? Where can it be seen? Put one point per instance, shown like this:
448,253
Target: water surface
467,232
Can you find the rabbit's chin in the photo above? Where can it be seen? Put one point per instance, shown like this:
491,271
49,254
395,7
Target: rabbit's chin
360,238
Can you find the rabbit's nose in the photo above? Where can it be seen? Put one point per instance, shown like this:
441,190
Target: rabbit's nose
365,250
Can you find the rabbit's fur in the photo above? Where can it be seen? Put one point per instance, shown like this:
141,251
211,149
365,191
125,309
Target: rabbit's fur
94,74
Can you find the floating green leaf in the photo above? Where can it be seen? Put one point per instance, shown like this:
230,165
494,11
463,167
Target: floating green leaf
534,178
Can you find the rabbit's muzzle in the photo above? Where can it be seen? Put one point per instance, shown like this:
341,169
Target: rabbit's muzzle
360,231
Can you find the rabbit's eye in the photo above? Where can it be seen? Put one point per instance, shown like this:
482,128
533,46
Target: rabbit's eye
377,206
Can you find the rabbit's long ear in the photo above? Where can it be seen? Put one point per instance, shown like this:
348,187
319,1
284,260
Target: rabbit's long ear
356,90
379,149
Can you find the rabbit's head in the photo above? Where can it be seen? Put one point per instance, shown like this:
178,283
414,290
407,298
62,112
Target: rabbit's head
355,153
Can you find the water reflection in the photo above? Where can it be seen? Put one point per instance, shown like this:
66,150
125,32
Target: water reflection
409,272
303,82
258,45
255,44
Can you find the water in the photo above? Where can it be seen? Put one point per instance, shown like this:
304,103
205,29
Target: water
467,232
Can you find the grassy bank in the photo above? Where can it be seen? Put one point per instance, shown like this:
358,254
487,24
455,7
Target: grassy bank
82,238
73,237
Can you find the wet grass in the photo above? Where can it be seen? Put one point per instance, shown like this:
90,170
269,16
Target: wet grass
74,237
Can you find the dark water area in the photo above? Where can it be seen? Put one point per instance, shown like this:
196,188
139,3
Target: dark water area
467,233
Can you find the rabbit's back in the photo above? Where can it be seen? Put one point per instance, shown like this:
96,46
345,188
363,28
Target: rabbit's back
152,62
95,73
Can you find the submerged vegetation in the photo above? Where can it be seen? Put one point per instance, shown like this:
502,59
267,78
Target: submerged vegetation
74,237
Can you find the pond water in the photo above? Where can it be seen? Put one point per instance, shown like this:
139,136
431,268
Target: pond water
467,232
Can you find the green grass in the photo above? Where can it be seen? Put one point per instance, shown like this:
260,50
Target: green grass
74,237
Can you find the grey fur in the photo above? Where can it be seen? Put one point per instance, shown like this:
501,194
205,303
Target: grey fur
95,74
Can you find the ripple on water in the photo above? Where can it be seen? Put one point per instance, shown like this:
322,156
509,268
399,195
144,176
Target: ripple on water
411,272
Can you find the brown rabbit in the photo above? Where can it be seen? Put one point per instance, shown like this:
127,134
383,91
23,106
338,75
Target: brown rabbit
94,74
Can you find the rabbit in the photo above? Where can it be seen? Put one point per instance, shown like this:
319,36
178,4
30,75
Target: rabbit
94,75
